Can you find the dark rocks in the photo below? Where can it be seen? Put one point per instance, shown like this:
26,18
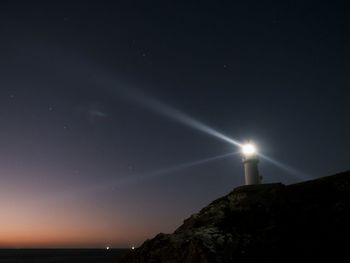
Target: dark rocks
266,223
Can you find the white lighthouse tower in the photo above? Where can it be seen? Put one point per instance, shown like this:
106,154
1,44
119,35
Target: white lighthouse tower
250,162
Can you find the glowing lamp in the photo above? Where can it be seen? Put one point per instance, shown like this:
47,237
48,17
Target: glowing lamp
248,149
250,162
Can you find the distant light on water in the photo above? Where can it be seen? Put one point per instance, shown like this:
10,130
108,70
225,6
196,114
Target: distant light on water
107,248
132,248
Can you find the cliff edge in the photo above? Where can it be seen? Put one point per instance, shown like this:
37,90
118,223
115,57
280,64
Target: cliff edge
266,223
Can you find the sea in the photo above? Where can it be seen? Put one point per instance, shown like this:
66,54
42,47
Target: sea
61,255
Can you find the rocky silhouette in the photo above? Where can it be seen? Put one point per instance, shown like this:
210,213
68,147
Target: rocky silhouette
265,223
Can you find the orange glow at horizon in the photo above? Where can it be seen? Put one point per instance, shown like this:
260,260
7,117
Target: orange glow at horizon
65,235
30,222
64,230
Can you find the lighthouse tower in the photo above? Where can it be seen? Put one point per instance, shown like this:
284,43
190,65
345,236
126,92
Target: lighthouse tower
250,162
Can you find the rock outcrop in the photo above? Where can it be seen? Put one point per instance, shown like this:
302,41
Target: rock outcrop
266,223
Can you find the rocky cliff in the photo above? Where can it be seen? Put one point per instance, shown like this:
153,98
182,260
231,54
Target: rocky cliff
269,223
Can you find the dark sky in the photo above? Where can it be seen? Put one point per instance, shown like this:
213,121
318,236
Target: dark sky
89,153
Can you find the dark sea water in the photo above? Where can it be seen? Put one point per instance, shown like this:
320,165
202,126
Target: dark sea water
60,255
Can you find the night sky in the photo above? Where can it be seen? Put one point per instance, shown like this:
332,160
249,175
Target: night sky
94,149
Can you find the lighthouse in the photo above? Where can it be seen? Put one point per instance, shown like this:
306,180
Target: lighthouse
250,162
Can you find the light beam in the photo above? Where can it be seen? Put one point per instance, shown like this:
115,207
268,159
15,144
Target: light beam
110,83
136,178
165,110
287,168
